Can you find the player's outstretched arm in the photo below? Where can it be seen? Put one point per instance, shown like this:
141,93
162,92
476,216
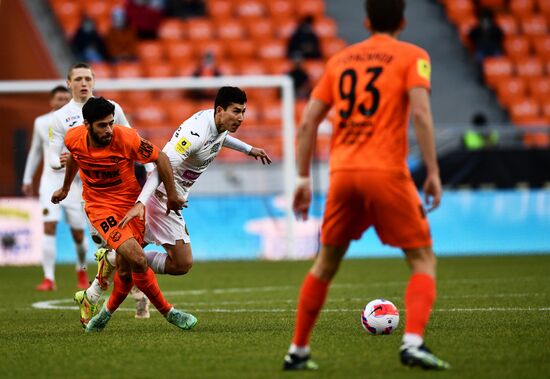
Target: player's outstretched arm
423,125
33,160
256,152
173,203
70,173
55,145
315,112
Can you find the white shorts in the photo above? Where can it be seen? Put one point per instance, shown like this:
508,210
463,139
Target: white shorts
161,229
71,205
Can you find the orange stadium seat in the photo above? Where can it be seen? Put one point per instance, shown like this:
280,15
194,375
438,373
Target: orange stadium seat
492,4
171,29
332,45
285,28
250,9
496,68
150,113
260,29
539,88
509,89
521,8
244,49
325,27
534,25
281,9
177,111
251,67
158,69
541,46
272,111
117,96
464,27
102,70
227,67
150,51
524,111
127,70
279,66
212,46
230,29
185,67
200,29
220,9
65,9
315,8
458,10
517,46
529,67
272,49
544,8
178,51
536,133
508,23
314,69
98,9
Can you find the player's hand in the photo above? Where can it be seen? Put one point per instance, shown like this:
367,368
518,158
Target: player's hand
63,159
138,210
27,190
59,195
432,192
302,200
175,204
260,153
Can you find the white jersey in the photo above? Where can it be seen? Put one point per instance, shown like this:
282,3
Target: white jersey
192,148
68,116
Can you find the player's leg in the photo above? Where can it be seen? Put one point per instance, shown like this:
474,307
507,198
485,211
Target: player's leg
310,302
81,246
48,257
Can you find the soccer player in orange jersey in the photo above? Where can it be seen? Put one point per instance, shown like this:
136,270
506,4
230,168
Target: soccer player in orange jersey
374,87
105,154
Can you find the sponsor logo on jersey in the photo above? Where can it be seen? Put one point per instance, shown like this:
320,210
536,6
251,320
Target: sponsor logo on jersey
424,69
191,175
145,148
194,134
182,145
50,133
215,148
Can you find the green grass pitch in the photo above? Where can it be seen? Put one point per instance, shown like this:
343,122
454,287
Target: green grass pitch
491,320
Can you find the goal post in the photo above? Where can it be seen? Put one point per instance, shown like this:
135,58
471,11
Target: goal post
282,82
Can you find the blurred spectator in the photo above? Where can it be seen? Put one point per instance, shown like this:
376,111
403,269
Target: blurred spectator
145,16
302,84
185,8
480,137
206,68
87,44
304,41
486,37
121,39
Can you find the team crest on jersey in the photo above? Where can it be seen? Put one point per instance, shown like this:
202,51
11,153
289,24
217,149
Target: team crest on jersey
115,235
215,148
424,68
182,145
50,133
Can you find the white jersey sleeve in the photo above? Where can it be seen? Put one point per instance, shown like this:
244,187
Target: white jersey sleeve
120,117
34,155
236,144
56,144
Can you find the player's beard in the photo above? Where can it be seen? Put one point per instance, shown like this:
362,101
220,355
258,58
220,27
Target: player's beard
100,141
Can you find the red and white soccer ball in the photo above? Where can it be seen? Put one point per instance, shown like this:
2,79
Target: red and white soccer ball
380,317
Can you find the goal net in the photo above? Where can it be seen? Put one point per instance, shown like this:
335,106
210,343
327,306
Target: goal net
239,209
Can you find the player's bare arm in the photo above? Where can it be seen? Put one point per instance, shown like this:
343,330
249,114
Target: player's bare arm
256,152
423,125
164,168
307,134
70,174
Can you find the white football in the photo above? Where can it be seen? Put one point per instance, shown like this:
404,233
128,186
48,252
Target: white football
380,317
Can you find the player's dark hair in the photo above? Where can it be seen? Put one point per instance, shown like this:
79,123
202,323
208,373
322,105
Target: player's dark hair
385,15
57,89
228,95
78,65
97,108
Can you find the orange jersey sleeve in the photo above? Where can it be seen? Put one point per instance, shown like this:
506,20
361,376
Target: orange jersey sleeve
367,86
107,173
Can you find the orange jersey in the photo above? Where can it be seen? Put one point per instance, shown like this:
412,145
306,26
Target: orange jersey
367,84
108,172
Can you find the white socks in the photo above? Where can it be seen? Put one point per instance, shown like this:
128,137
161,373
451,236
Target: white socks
301,351
48,256
94,292
81,250
411,340
111,257
157,261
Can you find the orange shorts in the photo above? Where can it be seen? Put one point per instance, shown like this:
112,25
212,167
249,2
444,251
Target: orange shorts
388,201
106,221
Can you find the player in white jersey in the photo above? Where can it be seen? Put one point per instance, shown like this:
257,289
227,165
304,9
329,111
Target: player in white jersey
191,149
81,81
51,213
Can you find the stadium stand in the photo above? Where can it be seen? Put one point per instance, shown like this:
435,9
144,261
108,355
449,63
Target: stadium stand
520,78
246,37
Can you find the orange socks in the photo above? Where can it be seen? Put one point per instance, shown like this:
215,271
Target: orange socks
147,283
419,298
120,291
312,297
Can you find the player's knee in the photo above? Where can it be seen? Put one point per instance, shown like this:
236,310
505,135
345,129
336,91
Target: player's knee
183,268
125,274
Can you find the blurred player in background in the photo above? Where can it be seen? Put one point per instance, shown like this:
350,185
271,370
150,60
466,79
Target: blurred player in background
374,86
81,81
51,213
105,154
194,145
